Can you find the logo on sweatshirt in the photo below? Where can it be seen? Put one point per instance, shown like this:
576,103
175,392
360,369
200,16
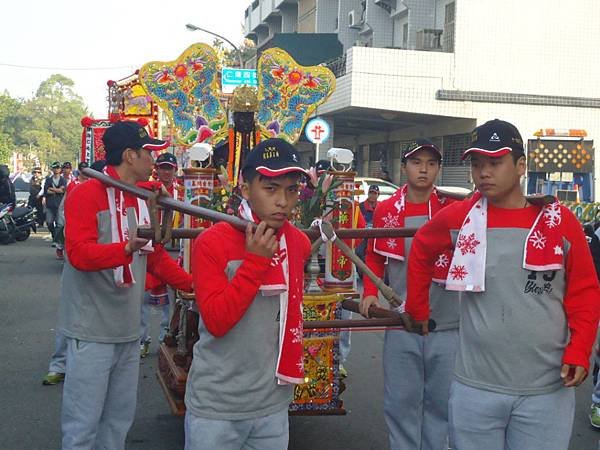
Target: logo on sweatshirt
533,287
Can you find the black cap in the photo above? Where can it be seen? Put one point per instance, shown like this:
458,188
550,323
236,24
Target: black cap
323,165
66,165
82,165
166,158
495,138
98,165
55,165
421,143
126,134
274,157
374,188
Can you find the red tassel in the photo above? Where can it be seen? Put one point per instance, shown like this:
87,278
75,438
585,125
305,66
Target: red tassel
230,160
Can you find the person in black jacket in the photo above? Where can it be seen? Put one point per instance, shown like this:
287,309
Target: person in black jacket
7,188
54,190
35,201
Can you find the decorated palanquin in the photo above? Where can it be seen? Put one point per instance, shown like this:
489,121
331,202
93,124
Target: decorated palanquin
187,90
129,100
92,148
320,393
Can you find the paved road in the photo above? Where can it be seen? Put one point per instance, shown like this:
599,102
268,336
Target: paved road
29,283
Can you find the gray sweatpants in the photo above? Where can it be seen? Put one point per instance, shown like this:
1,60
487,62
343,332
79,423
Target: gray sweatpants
59,357
489,420
417,373
99,394
596,391
165,317
262,433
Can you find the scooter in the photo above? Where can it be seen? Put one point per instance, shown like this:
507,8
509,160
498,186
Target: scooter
24,219
8,228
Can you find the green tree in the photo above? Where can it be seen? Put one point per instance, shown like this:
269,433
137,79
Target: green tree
228,56
6,147
46,126
55,113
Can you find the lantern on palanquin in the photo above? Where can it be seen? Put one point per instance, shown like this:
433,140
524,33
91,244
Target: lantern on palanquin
199,184
342,213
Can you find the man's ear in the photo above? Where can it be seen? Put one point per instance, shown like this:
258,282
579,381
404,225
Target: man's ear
127,155
245,189
521,166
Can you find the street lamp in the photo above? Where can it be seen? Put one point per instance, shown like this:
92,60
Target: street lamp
191,27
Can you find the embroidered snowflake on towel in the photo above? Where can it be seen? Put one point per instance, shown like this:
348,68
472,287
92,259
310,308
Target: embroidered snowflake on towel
458,272
390,221
552,215
558,250
467,244
538,240
391,243
298,333
300,365
442,261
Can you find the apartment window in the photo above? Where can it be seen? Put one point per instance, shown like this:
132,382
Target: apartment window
405,35
448,36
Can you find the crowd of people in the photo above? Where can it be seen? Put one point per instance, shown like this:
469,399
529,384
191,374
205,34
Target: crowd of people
508,279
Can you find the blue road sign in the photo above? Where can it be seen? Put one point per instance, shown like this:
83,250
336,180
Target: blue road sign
232,78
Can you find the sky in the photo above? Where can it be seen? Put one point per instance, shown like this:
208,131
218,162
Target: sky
105,40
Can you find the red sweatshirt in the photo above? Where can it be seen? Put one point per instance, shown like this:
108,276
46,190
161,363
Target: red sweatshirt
223,302
87,254
375,261
522,292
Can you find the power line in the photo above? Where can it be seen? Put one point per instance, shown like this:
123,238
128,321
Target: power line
19,66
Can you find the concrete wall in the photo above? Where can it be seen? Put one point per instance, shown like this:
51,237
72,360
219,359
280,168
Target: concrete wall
289,18
346,35
547,47
326,16
307,16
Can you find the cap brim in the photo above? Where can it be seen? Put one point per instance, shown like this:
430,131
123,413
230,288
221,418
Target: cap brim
155,144
491,153
421,147
166,163
280,172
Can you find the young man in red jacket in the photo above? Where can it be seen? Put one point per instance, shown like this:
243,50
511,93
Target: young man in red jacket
529,307
102,286
417,369
249,288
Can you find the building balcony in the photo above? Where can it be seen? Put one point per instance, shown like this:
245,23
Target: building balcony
392,80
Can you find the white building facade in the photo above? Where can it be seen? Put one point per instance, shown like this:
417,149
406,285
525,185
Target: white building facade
438,68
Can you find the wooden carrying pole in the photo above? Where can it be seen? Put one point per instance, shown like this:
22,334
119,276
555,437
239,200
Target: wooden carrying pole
380,317
215,216
313,234
168,202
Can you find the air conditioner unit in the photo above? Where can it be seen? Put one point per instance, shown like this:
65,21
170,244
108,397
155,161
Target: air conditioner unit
429,39
353,20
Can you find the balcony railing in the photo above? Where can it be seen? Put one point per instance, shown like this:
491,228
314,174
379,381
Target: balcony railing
337,65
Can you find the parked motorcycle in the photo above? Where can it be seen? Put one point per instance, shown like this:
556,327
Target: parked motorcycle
16,224
8,228
24,219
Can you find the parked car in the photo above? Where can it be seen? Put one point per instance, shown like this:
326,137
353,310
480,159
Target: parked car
386,189
455,190
22,197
